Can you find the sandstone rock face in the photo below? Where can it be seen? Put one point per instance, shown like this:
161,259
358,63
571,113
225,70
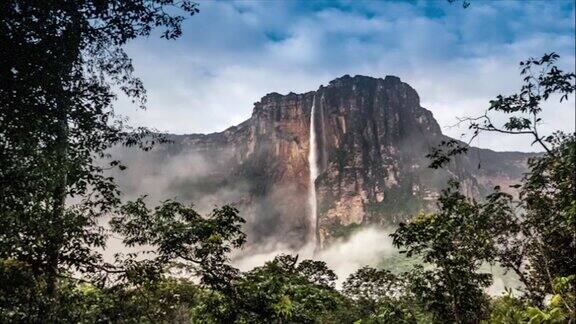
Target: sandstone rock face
372,138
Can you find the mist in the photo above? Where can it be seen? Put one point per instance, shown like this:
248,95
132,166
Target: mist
171,171
369,246
202,178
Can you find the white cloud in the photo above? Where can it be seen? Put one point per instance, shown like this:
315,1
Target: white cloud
233,53
367,247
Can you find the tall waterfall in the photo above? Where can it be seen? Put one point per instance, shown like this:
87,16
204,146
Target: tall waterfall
313,165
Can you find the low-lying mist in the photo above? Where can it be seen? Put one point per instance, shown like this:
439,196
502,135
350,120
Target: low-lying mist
366,247
200,178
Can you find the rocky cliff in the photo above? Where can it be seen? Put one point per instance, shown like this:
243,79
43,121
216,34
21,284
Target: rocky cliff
372,137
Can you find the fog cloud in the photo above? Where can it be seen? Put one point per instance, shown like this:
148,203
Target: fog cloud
367,247
235,52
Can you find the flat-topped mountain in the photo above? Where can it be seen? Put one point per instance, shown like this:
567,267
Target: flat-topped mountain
371,138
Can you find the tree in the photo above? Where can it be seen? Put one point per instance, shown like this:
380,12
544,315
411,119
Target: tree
534,237
283,291
536,240
373,284
523,109
452,289
548,199
60,63
380,297
179,237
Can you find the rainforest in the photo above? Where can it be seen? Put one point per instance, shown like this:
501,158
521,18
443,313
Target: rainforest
287,161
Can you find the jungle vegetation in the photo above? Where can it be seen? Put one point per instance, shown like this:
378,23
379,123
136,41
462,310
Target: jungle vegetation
60,65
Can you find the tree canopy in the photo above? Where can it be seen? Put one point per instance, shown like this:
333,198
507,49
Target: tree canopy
62,66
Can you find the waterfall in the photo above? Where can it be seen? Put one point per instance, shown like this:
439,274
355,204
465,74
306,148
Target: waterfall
313,165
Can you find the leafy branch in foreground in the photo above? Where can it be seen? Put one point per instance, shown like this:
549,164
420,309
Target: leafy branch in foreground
180,237
449,241
534,237
542,81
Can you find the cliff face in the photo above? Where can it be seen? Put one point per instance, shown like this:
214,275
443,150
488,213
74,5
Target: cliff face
372,138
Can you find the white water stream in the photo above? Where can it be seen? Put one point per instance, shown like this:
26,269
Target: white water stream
313,165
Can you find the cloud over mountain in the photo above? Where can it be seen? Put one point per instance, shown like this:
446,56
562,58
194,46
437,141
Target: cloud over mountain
457,58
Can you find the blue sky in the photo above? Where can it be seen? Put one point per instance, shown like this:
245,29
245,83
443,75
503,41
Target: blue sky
235,52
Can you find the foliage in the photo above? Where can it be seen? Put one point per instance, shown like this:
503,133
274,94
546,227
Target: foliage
543,81
181,237
441,154
168,300
60,62
549,217
508,309
535,237
380,297
452,288
372,284
284,291
18,292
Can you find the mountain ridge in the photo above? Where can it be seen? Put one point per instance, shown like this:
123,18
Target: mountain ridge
372,138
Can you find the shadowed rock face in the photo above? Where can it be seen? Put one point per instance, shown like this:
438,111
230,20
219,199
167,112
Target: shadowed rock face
372,138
